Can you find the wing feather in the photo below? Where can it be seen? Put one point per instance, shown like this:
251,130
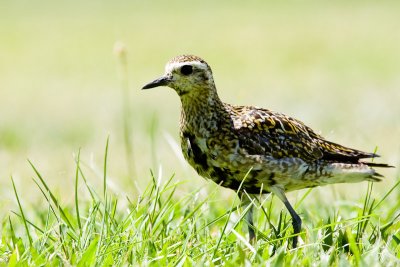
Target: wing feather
264,132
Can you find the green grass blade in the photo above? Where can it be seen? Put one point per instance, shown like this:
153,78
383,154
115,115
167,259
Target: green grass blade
78,217
387,194
12,232
53,198
229,215
105,168
22,212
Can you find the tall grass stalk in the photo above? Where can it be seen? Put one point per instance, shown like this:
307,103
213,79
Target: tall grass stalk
121,52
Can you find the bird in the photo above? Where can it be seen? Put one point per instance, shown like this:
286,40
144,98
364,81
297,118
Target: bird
254,150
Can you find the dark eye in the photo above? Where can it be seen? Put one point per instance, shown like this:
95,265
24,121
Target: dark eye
186,69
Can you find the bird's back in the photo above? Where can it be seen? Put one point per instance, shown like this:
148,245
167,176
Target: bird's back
272,133
289,142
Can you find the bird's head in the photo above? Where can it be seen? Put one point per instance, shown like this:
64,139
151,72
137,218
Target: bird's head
185,74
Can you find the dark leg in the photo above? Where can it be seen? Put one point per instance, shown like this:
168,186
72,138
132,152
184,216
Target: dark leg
296,220
249,217
252,234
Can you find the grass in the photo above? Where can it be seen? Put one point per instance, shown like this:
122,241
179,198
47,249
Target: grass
333,65
161,228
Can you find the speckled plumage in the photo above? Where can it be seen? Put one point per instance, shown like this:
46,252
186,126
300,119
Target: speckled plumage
275,153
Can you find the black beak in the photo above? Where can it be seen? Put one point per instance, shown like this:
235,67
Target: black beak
162,81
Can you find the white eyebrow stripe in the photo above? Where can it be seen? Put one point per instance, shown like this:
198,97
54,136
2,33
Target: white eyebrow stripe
176,65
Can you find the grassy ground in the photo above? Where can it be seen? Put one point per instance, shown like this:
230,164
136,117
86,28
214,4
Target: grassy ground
197,228
64,92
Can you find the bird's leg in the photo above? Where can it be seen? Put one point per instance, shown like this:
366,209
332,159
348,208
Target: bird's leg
249,216
296,220
252,234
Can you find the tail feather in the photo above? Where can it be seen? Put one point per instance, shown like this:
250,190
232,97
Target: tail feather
375,177
353,173
377,165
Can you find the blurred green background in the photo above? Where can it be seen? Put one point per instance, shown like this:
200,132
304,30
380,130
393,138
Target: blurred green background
334,65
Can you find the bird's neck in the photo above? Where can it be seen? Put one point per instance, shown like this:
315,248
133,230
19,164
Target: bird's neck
203,111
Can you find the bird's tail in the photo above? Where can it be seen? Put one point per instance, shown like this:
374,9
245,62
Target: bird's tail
377,165
353,173
376,177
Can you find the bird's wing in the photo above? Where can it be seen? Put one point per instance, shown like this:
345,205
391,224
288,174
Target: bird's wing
264,132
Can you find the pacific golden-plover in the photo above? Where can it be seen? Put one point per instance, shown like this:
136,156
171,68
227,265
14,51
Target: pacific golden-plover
256,149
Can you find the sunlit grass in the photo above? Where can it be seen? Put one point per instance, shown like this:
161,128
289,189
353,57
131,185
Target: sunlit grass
162,228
